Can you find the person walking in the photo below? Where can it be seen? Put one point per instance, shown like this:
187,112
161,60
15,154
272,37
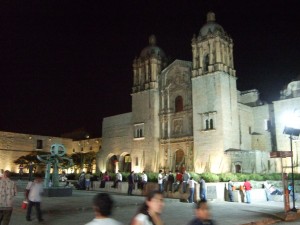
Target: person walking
8,191
130,183
103,205
192,185
202,189
202,215
35,189
248,187
149,213
230,190
160,181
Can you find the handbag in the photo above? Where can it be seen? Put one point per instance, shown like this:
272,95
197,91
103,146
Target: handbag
24,204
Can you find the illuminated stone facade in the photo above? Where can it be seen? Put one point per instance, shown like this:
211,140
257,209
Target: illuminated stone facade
190,115
15,145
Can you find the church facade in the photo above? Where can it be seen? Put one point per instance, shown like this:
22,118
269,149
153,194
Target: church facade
190,115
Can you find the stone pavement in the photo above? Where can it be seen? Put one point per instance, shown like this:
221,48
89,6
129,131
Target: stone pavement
77,210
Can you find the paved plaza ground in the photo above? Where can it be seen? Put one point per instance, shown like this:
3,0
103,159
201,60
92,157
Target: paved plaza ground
77,210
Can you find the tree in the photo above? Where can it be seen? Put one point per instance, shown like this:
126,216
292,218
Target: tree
84,160
31,157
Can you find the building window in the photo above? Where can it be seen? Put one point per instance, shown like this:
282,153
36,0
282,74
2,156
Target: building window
209,120
178,104
250,130
39,144
91,148
205,63
139,130
211,124
136,161
267,125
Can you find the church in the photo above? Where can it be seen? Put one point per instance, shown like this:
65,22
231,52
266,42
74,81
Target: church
190,115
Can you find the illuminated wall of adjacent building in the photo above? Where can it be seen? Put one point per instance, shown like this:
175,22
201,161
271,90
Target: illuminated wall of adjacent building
15,145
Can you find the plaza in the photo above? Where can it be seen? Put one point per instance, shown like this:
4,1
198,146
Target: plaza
77,210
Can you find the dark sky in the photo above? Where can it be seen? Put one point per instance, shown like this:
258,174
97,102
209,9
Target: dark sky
67,64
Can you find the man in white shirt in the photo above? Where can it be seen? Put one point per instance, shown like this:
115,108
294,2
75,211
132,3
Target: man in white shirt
35,189
192,185
144,180
160,181
118,179
103,205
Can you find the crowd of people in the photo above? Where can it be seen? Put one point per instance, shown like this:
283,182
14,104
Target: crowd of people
148,214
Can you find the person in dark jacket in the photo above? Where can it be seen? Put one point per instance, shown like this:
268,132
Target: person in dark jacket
130,183
202,216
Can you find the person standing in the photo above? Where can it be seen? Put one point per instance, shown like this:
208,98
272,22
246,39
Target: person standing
185,179
192,185
103,205
160,181
202,189
170,181
21,167
178,181
248,187
130,183
118,179
202,215
149,213
230,190
1,173
35,189
144,180
31,169
8,191
87,178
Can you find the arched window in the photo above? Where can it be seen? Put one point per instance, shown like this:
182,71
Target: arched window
238,168
206,125
205,63
141,133
211,124
178,104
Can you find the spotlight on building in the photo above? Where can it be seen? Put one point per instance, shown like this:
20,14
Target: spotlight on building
292,128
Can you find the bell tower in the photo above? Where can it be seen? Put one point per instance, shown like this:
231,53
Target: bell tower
145,105
212,49
215,109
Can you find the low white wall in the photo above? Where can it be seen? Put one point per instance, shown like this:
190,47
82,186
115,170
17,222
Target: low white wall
215,191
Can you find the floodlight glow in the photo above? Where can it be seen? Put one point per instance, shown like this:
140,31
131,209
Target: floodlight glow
291,119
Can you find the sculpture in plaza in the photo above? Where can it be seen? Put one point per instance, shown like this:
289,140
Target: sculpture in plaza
57,161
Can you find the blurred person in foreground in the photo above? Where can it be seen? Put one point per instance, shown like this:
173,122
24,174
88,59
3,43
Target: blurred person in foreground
202,215
8,191
103,204
149,212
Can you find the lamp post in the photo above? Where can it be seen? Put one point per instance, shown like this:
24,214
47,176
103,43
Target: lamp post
292,163
292,128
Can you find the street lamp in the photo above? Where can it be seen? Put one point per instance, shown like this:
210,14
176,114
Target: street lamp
292,128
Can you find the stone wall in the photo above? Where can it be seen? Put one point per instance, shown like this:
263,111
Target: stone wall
15,145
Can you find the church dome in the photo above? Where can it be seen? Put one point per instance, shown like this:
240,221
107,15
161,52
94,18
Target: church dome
152,49
211,25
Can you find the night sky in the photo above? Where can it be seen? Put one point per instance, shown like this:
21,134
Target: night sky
66,65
